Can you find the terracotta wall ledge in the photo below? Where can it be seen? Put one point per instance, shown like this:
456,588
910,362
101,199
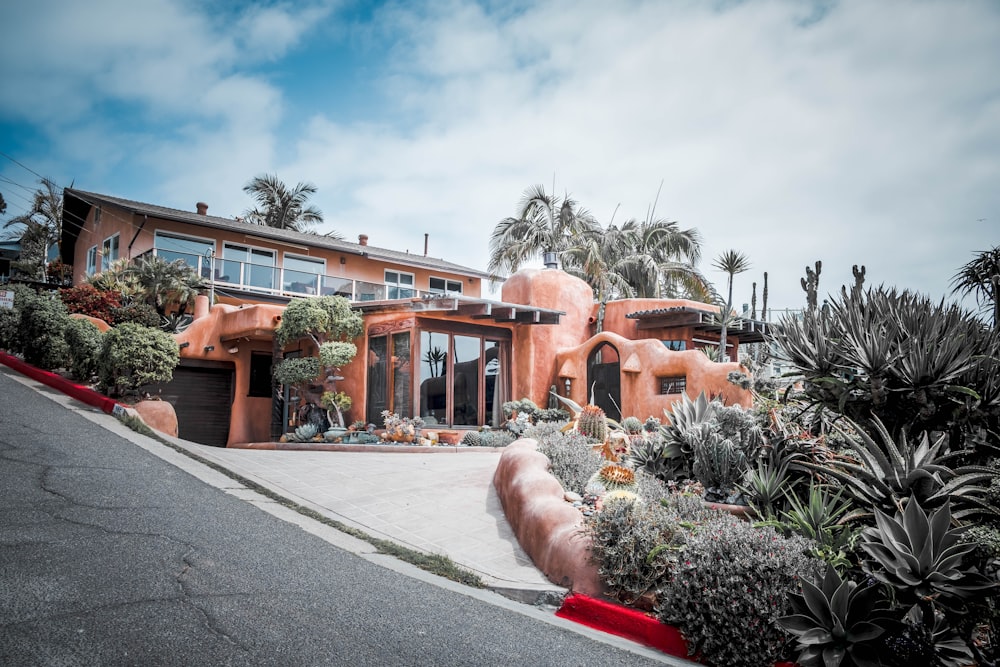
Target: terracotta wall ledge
548,528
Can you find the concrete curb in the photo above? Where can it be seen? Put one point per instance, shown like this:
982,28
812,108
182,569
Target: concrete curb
79,392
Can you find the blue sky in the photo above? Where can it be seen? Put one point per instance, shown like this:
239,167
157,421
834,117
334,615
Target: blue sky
852,132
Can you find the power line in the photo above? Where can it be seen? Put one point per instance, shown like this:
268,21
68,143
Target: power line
21,165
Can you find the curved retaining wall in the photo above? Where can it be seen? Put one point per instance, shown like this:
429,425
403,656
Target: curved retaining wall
549,529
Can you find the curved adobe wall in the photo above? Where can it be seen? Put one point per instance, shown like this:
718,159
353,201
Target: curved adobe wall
547,527
642,363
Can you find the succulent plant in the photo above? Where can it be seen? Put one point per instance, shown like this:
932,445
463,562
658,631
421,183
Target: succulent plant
632,425
471,439
658,458
837,622
719,463
593,423
920,555
891,472
306,432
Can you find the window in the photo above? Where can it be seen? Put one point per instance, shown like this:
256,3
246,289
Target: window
390,374
399,285
194,252
444,286
92,260
109,252
260,375
243,265
302,274
675,345
672,385
462,379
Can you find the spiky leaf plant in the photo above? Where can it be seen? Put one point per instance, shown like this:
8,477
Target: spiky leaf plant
837,622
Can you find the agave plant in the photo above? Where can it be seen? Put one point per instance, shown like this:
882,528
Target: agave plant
889,473
920,555
837,622
820,519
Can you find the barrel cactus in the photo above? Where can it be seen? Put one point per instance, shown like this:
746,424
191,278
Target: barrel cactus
471,439
593,423
612,477
632,425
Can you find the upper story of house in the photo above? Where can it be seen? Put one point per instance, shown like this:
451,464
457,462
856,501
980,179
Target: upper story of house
246,262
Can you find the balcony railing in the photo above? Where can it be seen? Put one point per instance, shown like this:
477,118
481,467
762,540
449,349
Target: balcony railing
265,279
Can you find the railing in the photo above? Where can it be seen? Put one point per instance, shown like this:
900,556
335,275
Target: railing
265,279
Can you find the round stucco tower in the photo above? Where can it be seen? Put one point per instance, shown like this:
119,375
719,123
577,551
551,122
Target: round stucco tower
533,366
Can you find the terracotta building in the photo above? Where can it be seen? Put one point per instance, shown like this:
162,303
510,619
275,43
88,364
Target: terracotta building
432,345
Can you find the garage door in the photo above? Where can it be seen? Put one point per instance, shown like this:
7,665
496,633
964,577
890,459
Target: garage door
202,396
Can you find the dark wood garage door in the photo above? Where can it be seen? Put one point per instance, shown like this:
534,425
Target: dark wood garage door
202,396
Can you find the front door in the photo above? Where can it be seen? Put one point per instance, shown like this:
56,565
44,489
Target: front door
604,380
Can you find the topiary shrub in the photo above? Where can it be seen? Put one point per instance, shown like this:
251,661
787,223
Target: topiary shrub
729,587
84,340
42,330
86,299
132,356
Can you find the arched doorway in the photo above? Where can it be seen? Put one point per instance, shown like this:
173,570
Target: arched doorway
604,379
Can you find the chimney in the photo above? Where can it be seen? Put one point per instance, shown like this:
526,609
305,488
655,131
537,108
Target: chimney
202,208
362,239
426,236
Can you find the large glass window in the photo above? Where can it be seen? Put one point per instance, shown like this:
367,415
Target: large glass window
444,286
302,274
109,252
252,267
194,252
467,361
399,285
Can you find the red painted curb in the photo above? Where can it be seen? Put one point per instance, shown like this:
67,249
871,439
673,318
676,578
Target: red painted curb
624,622
80,393
628,623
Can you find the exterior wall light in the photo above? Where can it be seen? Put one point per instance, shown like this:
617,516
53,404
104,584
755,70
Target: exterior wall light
569,386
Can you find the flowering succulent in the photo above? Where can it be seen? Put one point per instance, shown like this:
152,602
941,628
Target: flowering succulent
401,426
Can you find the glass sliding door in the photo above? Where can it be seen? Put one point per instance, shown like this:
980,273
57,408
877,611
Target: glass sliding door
465,380
390,377
434,377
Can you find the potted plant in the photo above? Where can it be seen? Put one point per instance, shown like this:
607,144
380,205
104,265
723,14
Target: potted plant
401,429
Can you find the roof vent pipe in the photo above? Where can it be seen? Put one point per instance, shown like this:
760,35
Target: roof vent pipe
426,236
550,261
202,208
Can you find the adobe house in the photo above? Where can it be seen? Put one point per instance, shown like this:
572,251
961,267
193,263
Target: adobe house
431,345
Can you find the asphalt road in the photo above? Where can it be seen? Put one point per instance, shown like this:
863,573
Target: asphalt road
110,555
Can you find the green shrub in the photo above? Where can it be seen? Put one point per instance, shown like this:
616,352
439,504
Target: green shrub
571,456
296,370
132,356
42,330
11,338
139,313
84,340
635,543
730,586
496,438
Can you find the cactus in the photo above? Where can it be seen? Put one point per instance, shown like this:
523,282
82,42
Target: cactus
471,439
632,425
753,302
763,305
652,424
612,477
719,463
305,433
593,424
810,284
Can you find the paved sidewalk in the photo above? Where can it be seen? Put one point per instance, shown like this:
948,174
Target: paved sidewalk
439,503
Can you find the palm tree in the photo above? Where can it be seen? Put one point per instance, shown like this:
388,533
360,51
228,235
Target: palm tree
732,262
981,277
279,207
42,224
166,283
604,259
542,224
666,258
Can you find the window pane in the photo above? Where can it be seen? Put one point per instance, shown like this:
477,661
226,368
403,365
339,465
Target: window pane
465,383
193,252
402,375
304,264
492,372
433,380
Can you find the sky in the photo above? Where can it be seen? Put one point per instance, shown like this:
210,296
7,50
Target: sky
857,132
